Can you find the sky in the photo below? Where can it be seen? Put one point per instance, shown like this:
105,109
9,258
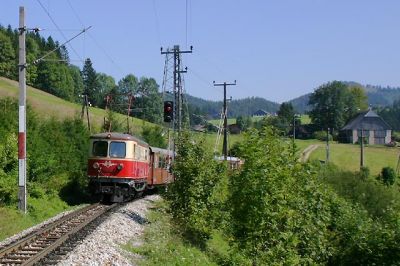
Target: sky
278,50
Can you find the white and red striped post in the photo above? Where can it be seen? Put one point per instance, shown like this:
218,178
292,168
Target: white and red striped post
22,114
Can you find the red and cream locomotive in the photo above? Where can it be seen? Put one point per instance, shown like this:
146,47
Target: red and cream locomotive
121,166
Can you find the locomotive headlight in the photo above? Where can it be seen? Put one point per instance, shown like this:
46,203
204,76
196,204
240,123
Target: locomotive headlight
96,165
120,166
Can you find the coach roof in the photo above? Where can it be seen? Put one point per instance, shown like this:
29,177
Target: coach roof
118,136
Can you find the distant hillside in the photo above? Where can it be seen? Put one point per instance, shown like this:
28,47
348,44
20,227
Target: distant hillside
300,104
382,96
378,96
241,107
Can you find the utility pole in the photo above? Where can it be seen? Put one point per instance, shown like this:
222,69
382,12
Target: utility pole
130,99
225,143
22,65
327,146
22,114
85,104
177,86
362,149
294,128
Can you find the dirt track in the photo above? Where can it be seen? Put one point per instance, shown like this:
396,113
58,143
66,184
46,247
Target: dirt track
307,152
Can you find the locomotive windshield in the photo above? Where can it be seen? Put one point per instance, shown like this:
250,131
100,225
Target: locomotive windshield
117,149
100,148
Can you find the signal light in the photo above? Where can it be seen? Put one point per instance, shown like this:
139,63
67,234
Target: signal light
168,111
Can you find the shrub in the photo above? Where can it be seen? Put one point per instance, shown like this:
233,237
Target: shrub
192,196
279,211
56,154
356,187
364,173
154,135
396,136
387,176
321,135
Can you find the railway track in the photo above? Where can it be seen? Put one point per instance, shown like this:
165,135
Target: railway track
36,246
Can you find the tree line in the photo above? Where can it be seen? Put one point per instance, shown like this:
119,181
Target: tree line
56,75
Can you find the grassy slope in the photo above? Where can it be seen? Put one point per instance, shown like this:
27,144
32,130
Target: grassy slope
48,105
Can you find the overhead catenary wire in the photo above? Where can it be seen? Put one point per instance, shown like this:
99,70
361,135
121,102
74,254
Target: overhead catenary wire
107,54
82,24
58,28
75,13
58,47
95,41
157,22
186,24
202,79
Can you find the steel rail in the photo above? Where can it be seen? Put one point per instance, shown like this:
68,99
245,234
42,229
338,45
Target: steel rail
37,245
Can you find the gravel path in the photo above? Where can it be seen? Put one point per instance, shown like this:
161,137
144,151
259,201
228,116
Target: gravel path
103,246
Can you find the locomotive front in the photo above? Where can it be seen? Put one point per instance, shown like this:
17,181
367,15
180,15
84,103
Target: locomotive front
118,166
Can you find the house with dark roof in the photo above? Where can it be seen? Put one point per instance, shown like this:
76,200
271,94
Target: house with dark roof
368,125
260,112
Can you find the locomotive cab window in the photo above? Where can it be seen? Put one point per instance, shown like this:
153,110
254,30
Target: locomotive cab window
100,148
117,149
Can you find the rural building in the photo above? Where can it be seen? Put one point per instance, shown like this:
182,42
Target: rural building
374,129
260,112
234,129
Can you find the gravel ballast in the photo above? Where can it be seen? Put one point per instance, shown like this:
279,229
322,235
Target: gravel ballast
103,245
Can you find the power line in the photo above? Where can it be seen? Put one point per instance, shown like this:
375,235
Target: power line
157,21
58,28
75,13
95,41
186,24
106,54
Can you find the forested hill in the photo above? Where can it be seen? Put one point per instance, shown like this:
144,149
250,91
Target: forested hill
382,96
378,96
241,107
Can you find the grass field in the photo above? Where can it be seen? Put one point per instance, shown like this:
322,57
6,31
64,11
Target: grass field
347,156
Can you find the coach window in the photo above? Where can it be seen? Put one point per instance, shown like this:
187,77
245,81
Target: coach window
100,148
117,149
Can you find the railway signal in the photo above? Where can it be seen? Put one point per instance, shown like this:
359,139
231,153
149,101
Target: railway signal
168,111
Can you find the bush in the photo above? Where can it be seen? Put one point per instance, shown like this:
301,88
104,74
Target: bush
56,155
396,136
321,135
282,213
387,176
364,173
154,136
279,211
357,187
192,196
